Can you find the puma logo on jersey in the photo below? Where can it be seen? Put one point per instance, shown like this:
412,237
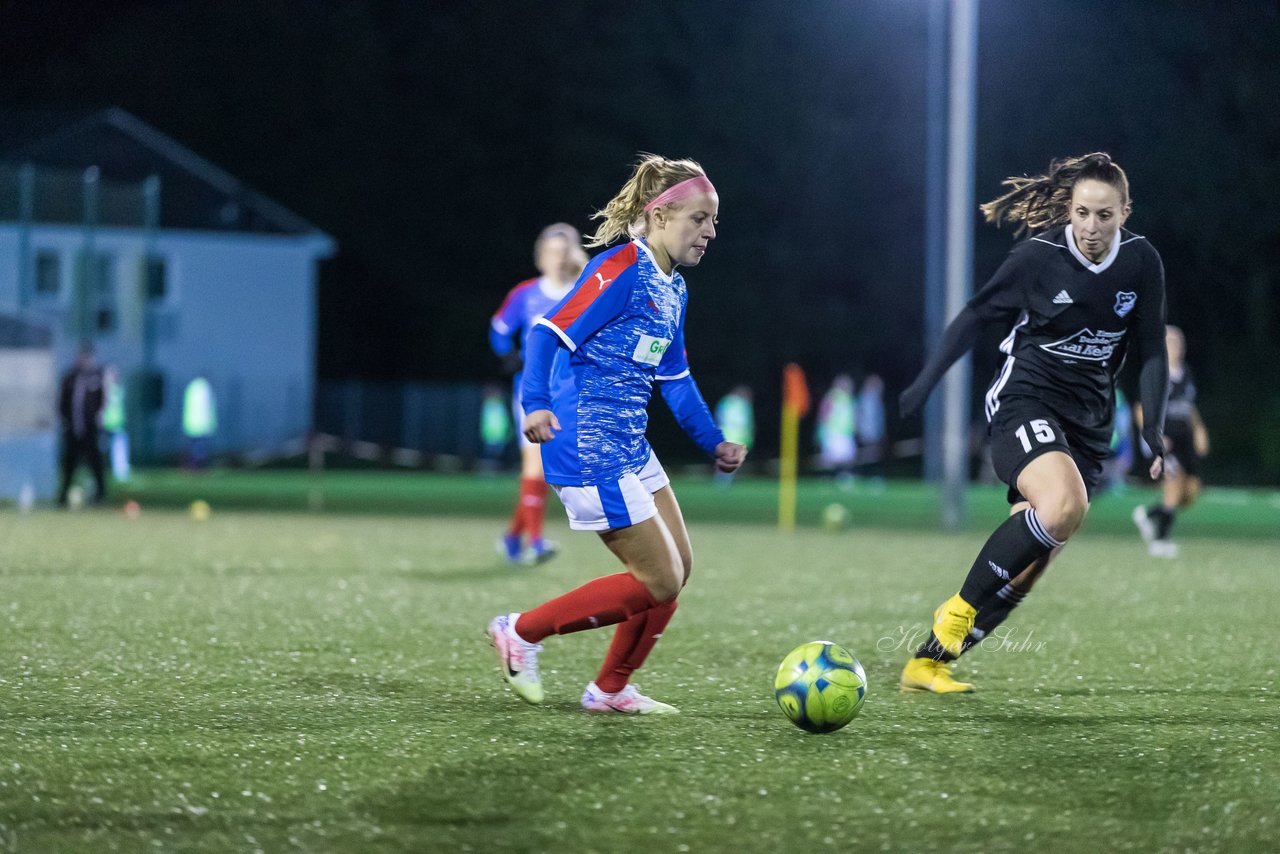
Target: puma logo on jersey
603,281
1063,298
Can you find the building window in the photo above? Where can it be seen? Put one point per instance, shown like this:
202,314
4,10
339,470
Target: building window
157,279
48,280
104,292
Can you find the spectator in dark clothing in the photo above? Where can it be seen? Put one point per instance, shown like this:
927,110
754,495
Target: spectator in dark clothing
80,409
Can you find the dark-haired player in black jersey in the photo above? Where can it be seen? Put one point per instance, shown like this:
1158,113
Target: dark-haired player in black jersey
1075,298
1186,441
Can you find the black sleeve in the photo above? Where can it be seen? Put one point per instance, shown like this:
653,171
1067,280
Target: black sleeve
1004,294
959,337
1001,298
1153,376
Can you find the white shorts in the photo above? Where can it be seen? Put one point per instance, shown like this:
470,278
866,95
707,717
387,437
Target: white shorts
625,502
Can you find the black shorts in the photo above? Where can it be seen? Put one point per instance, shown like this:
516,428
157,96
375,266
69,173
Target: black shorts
1023,429
1181,444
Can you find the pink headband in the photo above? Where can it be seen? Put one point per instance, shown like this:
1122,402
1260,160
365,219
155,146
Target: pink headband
681,191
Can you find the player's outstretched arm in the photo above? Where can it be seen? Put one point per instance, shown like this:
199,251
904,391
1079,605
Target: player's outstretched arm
691,411
960,336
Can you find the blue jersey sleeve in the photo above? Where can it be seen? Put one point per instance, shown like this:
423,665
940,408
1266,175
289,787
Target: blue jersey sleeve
692,413
600,295
540,353
675,361
508,320
684,398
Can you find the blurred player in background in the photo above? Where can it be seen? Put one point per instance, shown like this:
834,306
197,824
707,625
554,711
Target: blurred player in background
113,421
495,428
80,401
1118,464
1186,442
589,372
837,430
873,445
735,416
559,257
1074,297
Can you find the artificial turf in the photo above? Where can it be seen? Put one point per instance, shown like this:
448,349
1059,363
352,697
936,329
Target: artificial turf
319,682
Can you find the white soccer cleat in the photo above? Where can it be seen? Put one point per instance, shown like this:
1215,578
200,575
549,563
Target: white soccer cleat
1162,548
628,701
519,658
1146,527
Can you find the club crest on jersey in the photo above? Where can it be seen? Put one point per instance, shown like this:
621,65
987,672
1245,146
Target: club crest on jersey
1125,301
649,350
1086,345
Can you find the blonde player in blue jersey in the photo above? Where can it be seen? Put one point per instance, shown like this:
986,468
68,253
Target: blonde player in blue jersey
559,257
590,366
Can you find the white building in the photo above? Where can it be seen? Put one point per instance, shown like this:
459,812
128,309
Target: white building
115,234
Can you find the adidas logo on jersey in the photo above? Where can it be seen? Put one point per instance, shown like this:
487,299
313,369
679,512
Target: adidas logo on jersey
1063,298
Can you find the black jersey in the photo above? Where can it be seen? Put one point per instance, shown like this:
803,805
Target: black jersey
1072,322
1182,396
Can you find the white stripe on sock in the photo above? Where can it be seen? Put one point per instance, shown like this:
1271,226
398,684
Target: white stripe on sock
1038,530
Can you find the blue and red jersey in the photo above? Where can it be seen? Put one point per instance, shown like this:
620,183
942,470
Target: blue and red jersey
593,359
520,310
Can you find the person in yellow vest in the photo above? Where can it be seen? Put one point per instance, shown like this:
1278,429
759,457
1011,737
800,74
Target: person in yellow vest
113,421
199,421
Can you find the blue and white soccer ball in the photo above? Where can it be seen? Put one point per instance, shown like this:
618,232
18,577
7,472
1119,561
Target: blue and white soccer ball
820,686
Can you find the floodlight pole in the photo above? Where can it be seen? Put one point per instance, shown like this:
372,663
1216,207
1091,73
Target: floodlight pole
960,221
957,266
935,220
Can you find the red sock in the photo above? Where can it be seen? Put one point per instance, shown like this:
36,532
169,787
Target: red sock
632,642
520,518
602,602
533,498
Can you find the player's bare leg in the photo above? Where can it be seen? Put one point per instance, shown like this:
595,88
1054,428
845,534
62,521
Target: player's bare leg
658,555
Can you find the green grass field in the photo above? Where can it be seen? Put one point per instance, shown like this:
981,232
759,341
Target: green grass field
284,681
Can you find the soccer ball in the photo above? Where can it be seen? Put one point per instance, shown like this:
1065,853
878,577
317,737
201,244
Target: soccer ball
820,686
835,518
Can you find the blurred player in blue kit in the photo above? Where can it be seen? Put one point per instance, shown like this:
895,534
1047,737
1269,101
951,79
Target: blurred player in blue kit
559,257
590,367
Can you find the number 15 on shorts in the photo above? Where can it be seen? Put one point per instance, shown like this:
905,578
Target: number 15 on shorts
1041,432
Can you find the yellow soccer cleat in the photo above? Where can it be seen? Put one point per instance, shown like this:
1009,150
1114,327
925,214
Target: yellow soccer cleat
952,622
925,674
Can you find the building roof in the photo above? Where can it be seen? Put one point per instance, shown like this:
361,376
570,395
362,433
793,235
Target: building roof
194,193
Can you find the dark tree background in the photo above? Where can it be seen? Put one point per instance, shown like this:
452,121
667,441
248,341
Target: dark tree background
434,140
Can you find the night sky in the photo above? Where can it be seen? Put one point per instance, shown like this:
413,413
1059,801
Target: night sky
434,139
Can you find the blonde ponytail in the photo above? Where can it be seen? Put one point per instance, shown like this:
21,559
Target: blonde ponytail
624,215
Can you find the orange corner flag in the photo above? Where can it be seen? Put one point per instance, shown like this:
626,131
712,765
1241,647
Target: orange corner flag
795,391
